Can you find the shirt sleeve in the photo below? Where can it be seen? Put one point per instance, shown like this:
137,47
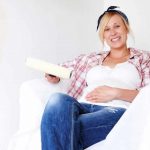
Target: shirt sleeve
72,63
146,70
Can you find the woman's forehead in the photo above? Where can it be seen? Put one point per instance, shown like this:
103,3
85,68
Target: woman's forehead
114,20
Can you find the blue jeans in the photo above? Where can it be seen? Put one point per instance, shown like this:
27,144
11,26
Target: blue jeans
69,125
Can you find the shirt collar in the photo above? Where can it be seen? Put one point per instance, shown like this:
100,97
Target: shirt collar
103,56
133,53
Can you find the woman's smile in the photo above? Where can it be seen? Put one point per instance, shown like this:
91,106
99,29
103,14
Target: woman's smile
115,39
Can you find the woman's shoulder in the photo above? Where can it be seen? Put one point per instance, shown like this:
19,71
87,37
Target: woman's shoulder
139,51
143,55
89,57
93,54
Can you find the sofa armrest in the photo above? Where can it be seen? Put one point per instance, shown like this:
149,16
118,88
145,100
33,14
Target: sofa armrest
33,98
131,132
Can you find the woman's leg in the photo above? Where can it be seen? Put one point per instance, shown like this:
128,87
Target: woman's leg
60,127
69,125
96,125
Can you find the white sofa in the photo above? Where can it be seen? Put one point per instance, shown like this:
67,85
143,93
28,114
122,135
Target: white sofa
132,132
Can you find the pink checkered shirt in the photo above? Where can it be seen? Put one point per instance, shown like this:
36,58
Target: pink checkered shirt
81,65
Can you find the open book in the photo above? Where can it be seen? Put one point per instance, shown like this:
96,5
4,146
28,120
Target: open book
49,68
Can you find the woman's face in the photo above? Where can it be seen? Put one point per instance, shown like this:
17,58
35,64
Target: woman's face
115,33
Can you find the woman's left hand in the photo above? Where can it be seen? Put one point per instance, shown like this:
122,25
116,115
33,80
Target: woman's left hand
102,94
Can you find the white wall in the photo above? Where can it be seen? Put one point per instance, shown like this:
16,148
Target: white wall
46,29
42,29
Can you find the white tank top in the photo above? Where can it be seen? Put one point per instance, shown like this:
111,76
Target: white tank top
123,75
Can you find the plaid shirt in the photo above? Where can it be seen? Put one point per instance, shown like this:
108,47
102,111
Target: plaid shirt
81,65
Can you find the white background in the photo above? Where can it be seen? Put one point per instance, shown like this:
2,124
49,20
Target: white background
53,30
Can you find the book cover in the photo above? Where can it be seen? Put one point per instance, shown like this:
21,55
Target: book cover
49,68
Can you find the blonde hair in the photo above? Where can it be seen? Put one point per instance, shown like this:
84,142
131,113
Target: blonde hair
105,19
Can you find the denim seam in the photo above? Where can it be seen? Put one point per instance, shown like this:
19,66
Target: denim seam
72,126
98,127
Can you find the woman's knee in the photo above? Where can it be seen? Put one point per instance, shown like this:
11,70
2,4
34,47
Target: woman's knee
58,100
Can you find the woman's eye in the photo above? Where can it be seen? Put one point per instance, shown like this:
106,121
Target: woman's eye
117,26
106,29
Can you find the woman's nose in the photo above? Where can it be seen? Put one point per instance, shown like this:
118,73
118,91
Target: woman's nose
112,32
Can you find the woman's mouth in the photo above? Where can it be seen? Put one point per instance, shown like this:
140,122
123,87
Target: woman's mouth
115,39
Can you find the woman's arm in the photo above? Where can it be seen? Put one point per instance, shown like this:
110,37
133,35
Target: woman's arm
125,94
68,64
107,93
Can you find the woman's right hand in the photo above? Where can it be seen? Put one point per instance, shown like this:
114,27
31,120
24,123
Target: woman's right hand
51,78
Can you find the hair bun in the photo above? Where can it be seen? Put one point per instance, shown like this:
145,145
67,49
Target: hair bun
112,8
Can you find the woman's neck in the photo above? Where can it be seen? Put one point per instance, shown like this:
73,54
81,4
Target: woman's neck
115,57
119,53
